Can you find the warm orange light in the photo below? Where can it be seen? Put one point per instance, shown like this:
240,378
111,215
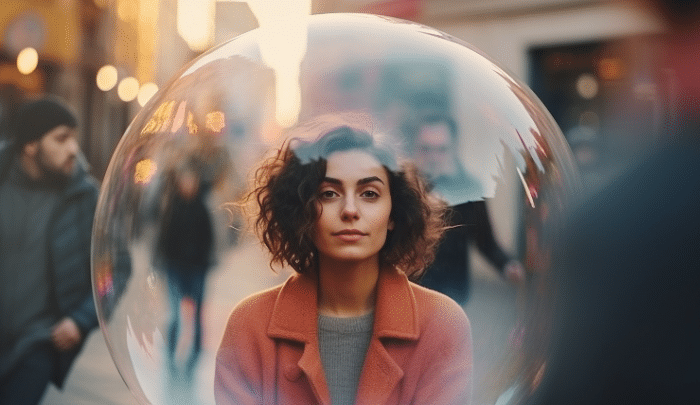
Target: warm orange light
216,121
146,91
283,33
611,69
27,60
195,23
127,10
160,120
147,39
106,78
128,89
144,171
191,125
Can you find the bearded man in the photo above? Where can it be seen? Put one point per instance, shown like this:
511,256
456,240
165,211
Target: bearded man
47,204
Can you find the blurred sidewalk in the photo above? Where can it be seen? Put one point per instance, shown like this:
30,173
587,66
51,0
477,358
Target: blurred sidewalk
94,379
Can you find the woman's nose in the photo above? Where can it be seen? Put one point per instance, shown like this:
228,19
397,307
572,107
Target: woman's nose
350,211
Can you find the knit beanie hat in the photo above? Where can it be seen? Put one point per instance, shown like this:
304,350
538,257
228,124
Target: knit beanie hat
35,118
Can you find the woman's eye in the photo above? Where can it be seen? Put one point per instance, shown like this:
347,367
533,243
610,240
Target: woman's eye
369,194
327,194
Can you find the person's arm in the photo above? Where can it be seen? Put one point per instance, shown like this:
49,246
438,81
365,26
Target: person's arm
487,244
70,330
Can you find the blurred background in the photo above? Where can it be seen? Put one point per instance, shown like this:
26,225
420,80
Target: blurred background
591,62
107,57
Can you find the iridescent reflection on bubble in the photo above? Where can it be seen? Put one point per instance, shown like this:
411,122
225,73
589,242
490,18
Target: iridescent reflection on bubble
189,153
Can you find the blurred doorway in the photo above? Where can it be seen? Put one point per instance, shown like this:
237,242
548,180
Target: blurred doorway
606,98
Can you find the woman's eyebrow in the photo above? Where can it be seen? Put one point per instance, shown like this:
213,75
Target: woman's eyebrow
359,182
332,180
369,180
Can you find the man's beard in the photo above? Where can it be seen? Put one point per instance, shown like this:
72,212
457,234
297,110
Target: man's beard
50,175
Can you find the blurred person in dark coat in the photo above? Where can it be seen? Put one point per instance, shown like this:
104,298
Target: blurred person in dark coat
47,204
434,144
628,324
185,253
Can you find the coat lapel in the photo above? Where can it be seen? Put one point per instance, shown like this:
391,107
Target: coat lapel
295,317
395,317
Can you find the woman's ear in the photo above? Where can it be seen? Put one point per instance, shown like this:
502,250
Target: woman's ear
390,225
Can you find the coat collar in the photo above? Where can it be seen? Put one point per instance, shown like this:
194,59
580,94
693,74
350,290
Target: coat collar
295,314
295,317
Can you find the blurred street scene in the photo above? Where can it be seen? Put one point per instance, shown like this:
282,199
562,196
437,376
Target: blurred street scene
95,379
593,64
107,57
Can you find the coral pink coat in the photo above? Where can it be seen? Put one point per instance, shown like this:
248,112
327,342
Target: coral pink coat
420,351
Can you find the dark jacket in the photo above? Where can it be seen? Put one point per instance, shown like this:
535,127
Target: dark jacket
70,233
626,328
450,271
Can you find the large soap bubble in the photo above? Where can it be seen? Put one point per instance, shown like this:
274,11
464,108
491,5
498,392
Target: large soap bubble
171,257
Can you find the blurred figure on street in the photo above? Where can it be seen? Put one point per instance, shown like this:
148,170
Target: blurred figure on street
627,329
185,249
434,147
47,205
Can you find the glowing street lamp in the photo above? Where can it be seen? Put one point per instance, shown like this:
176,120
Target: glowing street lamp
128,89
27,60
106,78
146,91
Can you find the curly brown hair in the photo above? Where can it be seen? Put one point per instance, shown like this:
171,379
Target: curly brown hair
286,191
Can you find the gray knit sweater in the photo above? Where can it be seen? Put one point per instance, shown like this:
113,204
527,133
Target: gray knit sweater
343,344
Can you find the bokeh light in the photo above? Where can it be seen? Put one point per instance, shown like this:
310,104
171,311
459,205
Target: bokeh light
106,78
587,86
146,91
27,60
195,23
128,89
218,117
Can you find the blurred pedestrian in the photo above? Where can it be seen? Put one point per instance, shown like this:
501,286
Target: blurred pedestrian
47,204
434,147
628,324
185,250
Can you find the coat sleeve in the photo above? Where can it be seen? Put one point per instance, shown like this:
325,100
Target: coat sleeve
447,378
85,314
485,239
239,370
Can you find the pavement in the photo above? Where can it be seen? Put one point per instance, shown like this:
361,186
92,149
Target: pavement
95,380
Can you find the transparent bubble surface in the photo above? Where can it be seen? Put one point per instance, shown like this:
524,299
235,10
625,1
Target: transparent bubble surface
190,151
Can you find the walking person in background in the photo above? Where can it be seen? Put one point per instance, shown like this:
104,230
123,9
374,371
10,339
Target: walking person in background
47,204
185,250
434,146
348,327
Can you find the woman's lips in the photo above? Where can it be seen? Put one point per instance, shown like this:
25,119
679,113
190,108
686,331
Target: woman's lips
349,235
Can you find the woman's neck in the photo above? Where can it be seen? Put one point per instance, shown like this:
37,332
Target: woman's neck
347,289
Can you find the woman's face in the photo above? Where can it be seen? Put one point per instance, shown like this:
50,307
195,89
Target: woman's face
354,203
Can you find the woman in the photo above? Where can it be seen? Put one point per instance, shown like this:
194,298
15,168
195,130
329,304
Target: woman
349,327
